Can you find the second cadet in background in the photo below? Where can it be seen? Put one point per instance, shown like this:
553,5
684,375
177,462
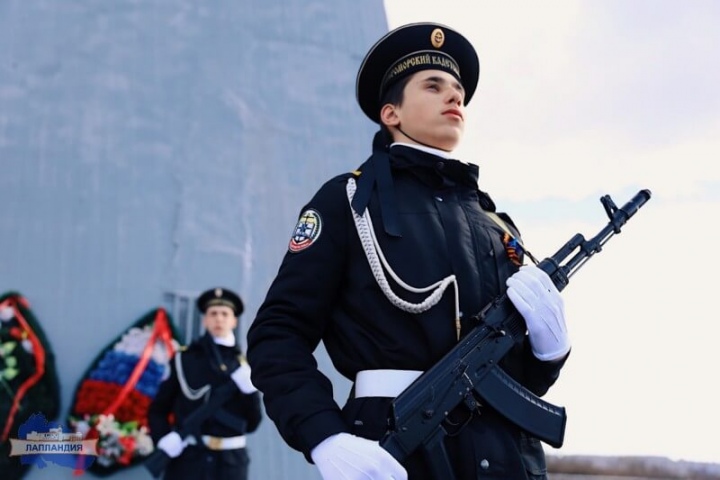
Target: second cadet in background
218,451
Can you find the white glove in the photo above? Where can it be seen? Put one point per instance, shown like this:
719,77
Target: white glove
539,302
347,457
241,377
172,444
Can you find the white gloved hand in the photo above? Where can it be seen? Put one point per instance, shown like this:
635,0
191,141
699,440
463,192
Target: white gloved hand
241,377
539,302
347,457
172,444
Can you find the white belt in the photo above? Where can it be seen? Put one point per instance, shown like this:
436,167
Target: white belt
224,443
383,383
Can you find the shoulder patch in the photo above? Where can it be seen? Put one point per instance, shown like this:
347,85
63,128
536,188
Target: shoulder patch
307,231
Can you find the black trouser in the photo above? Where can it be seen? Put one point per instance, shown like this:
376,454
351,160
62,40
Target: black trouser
199,463
474,458
482,446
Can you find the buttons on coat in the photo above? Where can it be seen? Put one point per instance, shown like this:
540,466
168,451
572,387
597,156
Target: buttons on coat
439,166
484,464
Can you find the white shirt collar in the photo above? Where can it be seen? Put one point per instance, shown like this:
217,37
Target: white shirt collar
226,341
423,148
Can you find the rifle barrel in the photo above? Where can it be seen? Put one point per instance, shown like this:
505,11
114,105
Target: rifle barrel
588,248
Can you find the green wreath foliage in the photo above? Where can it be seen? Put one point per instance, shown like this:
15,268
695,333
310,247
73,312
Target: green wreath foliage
17,365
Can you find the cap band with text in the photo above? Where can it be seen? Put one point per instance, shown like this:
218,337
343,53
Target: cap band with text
420,60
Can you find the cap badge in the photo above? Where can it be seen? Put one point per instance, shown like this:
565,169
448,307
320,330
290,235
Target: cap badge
218,292
437,38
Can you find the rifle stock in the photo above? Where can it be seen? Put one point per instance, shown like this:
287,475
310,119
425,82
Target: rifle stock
157,462
470,372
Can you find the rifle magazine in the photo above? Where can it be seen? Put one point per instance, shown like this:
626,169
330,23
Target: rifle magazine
522,407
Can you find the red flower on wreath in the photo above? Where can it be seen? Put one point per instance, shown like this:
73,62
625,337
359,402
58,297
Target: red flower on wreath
128,444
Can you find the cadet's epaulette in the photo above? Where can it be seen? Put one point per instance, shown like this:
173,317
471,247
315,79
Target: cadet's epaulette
356,173
242,359
183,348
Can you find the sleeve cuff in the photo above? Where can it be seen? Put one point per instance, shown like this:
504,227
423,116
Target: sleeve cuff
317,428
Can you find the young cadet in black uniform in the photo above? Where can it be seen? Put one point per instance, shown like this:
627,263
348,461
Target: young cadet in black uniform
217,451
387,266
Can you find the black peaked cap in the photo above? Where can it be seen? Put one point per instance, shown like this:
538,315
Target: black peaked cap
409,49
220,296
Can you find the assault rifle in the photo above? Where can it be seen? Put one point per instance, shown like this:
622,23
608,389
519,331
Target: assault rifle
158,460
470,373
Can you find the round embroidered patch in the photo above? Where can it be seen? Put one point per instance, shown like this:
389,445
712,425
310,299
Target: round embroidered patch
307,231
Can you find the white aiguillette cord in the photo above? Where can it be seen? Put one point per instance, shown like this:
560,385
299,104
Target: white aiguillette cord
188,391
377,261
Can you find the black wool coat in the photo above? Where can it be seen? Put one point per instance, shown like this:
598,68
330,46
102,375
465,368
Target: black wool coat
326,292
